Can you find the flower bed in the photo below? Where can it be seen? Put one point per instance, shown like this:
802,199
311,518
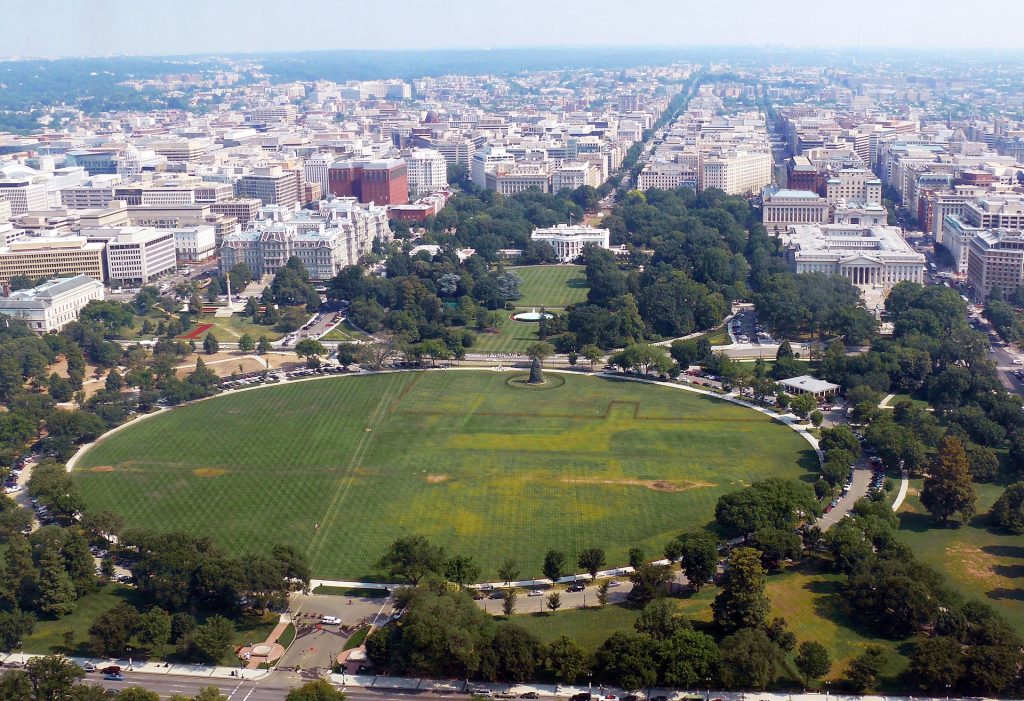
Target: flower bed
197,332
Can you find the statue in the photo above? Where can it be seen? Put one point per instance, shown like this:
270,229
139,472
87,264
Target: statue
536,374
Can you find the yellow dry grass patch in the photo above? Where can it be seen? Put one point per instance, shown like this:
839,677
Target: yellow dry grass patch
974,563
656,485
102,468
437,479
209,472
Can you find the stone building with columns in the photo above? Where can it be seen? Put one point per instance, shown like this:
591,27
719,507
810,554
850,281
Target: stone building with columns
870,256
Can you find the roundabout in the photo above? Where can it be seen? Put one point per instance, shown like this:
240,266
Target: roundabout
340,467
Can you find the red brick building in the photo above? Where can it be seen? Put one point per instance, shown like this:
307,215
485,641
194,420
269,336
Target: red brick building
383,182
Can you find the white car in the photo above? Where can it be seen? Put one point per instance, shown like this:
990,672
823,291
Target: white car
330,620
535,592
1018,361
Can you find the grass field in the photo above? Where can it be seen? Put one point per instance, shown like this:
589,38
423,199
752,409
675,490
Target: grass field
346,333
342,466
511,337
552,286
977,561
231,328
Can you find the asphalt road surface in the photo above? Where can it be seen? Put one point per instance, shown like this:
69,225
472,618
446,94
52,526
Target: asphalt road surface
273,688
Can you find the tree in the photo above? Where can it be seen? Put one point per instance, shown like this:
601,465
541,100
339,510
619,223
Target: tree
812,661
948,488
52,677
591,560
56,590
536,372
742,603
263,345
749,659
554,565
592,353
866,669
775,545
602,593
770,503
206,643
412,558
443,634
649,582
1008,511
154,629
311,350
628,660
937,664
660,620
461,569
114,381
688,658
319,690
540,350
110,632
508,572
210,343
566,660
15,625
517,653
554,601
508,602
698,558
246,344
803,404
636,557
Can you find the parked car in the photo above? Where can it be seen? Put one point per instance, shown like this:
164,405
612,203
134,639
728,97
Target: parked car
330,620
535,592
89,667
111,669
115,677
529,695
576,587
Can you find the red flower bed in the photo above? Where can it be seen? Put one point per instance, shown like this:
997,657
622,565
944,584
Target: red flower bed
197,331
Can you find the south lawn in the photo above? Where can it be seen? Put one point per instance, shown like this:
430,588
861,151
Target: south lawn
342,466
553,286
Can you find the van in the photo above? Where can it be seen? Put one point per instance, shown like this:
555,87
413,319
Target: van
330,620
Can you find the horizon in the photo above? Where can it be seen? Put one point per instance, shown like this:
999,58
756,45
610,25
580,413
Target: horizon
50,29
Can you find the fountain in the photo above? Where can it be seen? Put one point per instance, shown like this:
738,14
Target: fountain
532,316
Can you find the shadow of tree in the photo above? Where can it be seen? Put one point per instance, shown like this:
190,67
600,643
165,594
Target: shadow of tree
1006,594
1004,550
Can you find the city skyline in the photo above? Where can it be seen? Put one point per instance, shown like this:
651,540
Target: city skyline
56,29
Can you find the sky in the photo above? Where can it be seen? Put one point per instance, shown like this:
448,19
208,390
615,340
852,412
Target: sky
56,28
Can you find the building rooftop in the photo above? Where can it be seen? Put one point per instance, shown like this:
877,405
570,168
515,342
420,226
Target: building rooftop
40,296
809,383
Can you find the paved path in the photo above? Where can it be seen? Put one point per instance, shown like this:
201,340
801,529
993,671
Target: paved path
904,488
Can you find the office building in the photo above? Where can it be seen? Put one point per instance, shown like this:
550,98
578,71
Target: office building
853,185
427,172
24,194
995,259
135,255
782,209
51,257
242,209
52,305
271,185
1005,212
195,243
876,256
381,181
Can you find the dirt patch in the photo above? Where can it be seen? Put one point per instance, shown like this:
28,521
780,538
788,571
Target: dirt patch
437,479
974,562
656,485
102,468
209,472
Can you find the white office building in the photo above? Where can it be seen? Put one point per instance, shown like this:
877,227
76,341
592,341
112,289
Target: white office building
485,162
315,169
136,254
23,194
853,185
736,172
781,209
193,243
427,171
870,256
569,241
48,307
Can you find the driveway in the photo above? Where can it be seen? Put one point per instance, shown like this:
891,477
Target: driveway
317,645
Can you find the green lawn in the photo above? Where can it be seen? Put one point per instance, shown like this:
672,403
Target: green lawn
510,336
551,286
341,466
919,403
811,600
979,562
47,637
231,328
345,332
587,627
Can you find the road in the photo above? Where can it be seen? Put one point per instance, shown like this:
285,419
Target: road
274,688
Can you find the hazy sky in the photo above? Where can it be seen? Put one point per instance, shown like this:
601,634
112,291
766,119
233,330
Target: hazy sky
103,27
